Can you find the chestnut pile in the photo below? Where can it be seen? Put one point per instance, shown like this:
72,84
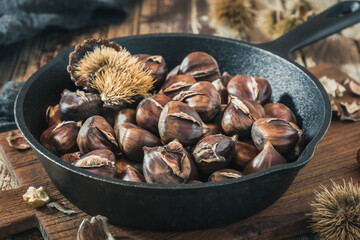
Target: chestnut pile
199,126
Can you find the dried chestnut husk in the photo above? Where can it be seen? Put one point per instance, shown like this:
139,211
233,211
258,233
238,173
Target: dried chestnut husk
176,84
252,88
149,110
61,138
203,97
100,161
224,174
53,115
131,174
281,134
71,157
214,129
200,65
214,152
79,105
132,139
157,66
279,110
167,164
240,115
96,133
268,157
179,121
245,152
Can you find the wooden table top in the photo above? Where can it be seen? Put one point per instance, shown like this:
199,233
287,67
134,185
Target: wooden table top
19,61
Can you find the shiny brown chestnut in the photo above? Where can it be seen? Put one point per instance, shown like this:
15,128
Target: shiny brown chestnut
224,174
109,112
279,110
71,157
99,161
176,84
240,115
126,115
131,174
200,65
181,122
53,115
166,164
79,105
149,110
245,152
156,64
173,72
268,157
300,144
251,88
132,139
223,93
214,129
60,139
225,79
96,133
203,97
281,134
122,163
214,152
217,119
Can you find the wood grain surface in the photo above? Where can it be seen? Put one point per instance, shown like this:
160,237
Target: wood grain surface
335,158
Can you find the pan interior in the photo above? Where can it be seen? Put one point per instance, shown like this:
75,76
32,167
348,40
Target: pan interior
290,85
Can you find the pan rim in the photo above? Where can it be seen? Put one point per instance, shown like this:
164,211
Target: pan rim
302,160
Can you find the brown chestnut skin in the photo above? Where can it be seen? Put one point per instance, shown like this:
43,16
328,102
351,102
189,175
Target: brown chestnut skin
126,115
225,79
132,139
96,133
175,84
173,72
156,64
251,88
53,115
60,139
193,182
79,105
99,161
245,152
282,135
219,116
200,65
268,157
214,129
300,144
224,174
279,110
223,93
148,112
239,116
109,112
166,164
71,157
214,152
131,174
181,122
123,162
204,98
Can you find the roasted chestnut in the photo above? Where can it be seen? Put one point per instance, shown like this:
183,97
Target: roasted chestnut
122,163
223,93
279,110
240,115
71,157
281,134
156,64
166,164
214,129
181,122
251,88
225,79
96,133
214,152
61,138
173,72
131,174
268,157
224,174
100,161
203,97
200,65
53,115
176,84
149,110
245,152
79,105
132,139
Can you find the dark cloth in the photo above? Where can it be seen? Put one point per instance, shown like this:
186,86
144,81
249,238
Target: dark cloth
22,19
7,99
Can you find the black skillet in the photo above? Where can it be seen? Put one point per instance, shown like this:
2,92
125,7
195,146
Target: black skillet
194,206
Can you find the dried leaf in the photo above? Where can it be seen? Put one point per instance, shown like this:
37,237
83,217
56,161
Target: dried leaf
61,208
36,197
333,88
95,229
16,140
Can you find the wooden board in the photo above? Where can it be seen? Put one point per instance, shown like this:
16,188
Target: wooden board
335,159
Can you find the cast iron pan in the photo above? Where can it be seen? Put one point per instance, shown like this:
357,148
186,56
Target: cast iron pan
193,206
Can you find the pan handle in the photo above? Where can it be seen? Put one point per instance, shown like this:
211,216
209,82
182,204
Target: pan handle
332,20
